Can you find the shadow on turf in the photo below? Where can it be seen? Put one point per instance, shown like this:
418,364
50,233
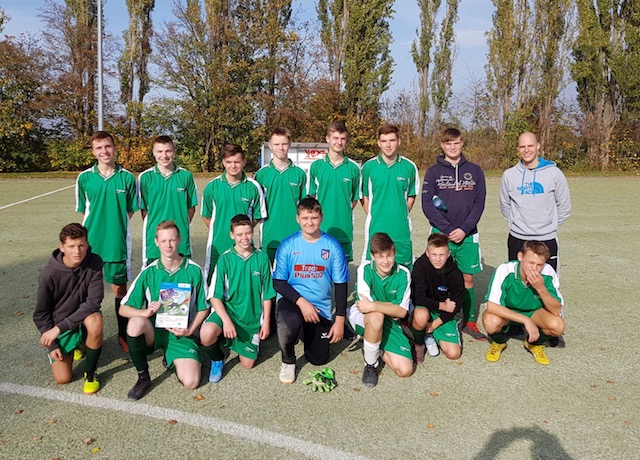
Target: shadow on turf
544,444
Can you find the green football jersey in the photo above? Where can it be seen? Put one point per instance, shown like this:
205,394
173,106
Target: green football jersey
166,198
507,288
106,202
394,288
336,187
283,190
388,187
222,201
242,284
146,287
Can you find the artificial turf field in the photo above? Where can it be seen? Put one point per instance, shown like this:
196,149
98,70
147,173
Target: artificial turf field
585,405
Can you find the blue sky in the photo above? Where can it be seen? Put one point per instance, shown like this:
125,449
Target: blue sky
474,20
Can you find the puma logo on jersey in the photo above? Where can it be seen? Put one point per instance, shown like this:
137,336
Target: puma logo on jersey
293,184
393,291
255,273
180,189
346,179
247,200
119,190
401,179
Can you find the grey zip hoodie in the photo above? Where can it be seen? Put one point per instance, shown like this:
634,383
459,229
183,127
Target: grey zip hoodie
536,201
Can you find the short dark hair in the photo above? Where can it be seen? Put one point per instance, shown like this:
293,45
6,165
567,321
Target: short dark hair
537,247
99,135
280,132
388,128
239,220
230,150
438,240
73,231
450,134
166,225
309,204
162,140
337,127
381,242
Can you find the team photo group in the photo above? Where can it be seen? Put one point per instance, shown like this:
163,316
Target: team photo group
408,303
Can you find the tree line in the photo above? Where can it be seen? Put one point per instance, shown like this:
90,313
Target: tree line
228,71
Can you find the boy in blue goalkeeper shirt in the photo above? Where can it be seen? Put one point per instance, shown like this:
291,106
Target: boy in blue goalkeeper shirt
308,264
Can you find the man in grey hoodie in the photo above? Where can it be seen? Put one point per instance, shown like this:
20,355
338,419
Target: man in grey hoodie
535,199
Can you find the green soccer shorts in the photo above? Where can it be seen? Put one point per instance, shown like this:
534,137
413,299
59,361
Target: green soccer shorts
246,343
70,340
466,254
528,314
393,339
348,250
174,347
117,272
447,332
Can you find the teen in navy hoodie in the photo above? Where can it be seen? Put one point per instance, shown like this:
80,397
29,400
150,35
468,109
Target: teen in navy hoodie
460,186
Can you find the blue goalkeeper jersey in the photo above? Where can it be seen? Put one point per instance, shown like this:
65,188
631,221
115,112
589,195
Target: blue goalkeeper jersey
311,268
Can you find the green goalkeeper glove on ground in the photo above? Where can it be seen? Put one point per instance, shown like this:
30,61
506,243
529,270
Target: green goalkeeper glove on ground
322,381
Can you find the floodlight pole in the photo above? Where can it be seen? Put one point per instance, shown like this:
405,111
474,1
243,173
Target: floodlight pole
100,79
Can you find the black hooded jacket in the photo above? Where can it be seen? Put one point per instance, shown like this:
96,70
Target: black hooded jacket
429,286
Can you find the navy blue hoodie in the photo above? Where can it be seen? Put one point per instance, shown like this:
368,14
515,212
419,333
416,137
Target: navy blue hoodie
463,190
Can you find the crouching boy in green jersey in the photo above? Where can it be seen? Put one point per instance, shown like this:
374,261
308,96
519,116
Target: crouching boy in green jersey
383,291
240,292
527,292
179,344
70,293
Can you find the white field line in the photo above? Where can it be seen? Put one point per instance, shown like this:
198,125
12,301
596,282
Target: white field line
226,427
35,197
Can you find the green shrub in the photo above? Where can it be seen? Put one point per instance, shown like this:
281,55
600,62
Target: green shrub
69,155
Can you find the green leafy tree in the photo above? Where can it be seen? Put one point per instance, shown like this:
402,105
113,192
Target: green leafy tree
550,58
70,40
606,71
509,43
210,62
356,37
368,63
441,79
3,19
23,73
421,54
133,63
334,17
276,40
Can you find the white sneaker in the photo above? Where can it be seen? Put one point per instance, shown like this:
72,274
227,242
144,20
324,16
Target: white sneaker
288,373
432,346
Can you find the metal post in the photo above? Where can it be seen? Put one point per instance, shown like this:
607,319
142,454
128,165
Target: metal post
100,79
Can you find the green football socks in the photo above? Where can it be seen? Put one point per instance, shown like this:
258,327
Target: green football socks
468,306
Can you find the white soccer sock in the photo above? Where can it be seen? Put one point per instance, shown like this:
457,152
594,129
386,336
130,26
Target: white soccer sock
371,352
